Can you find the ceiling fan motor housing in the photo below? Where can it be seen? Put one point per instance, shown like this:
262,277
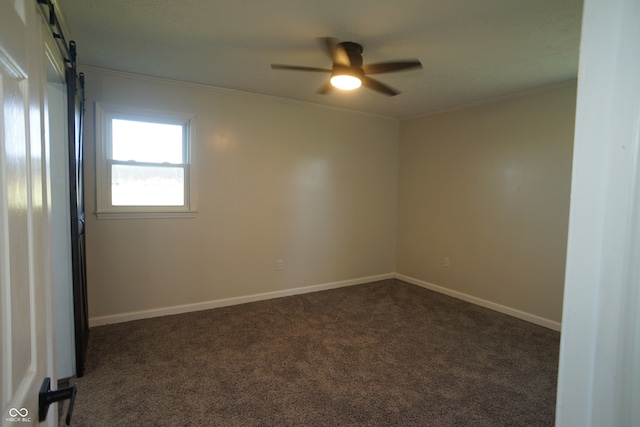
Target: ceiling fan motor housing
354,52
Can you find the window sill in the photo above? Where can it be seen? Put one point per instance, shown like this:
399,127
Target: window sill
145,215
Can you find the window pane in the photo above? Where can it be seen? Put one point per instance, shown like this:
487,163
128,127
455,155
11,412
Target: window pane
147,185
146,141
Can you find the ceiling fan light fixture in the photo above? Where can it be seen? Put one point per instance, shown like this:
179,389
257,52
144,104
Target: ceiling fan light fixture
348,71
346,82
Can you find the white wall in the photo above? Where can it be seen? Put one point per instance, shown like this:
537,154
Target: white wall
599,371
315,187
488,187
61,230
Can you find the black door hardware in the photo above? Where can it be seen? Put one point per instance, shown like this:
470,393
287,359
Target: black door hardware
48,396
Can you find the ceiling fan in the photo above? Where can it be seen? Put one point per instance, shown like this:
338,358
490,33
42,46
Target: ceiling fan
348,72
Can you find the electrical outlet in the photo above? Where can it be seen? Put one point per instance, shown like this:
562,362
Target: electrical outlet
279,265
445,262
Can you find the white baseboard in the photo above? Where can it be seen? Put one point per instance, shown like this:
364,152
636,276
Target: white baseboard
532,318
185,308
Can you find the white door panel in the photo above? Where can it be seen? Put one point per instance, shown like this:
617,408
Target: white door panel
25,305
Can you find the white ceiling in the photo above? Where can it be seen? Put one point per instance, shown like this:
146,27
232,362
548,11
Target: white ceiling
471,50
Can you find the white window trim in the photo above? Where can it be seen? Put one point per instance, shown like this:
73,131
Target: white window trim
104,209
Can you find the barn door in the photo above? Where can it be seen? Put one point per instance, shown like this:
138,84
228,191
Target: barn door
75,92
25,285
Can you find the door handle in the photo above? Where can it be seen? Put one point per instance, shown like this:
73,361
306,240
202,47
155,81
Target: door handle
47,396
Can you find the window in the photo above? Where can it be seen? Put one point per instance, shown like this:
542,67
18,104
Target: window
143,164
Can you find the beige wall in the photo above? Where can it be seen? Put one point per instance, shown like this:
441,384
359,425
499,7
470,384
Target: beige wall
315,187
488,187
342,196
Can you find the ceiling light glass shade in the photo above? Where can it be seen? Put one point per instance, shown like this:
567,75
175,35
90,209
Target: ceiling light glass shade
346,82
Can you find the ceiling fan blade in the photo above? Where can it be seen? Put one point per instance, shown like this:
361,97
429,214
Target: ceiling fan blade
325,88
299,68
391,66
379,87
335,51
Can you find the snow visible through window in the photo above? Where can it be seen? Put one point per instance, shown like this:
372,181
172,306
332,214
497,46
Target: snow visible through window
147,166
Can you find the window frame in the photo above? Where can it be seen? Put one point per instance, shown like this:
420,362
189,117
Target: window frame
104,114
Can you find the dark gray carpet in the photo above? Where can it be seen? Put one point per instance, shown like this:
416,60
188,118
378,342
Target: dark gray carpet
381,354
